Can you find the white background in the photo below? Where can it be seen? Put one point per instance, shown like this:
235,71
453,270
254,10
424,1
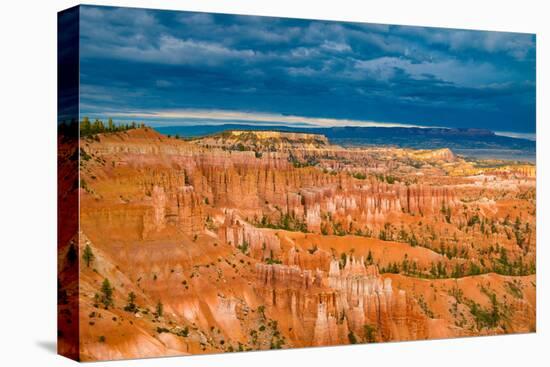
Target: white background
28,182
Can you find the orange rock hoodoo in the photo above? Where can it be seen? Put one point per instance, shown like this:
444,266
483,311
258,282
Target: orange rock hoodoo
270,240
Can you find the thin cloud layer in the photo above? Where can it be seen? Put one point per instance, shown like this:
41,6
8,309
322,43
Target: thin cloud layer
161,61
219,117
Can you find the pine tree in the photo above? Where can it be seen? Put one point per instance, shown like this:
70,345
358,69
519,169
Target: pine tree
85,126
160,309
369,258
97,126
131,305
370,333
106,294
88,256
352,338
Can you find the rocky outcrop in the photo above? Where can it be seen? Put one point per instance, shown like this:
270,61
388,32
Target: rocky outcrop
443,154
523,171
365,298
255,242
329,330
278,275
253,249
178,179
343,303
369,205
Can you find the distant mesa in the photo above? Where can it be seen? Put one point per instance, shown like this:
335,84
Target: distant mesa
290,137
456,139
270,134
264,140
444,154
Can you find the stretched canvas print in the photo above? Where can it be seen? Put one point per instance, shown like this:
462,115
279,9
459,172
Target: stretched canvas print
234,183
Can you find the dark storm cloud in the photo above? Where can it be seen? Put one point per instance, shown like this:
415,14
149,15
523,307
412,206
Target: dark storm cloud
145,61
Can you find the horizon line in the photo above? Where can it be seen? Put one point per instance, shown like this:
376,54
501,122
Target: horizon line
217,117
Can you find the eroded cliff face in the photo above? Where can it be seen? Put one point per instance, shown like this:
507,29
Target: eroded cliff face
527,171
177,184
294,242
350,303
373,304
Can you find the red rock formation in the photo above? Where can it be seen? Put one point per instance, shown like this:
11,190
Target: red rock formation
515,170
368,299
344,302
179,222
277,275
256,242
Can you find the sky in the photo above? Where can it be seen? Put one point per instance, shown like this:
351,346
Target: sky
186,68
